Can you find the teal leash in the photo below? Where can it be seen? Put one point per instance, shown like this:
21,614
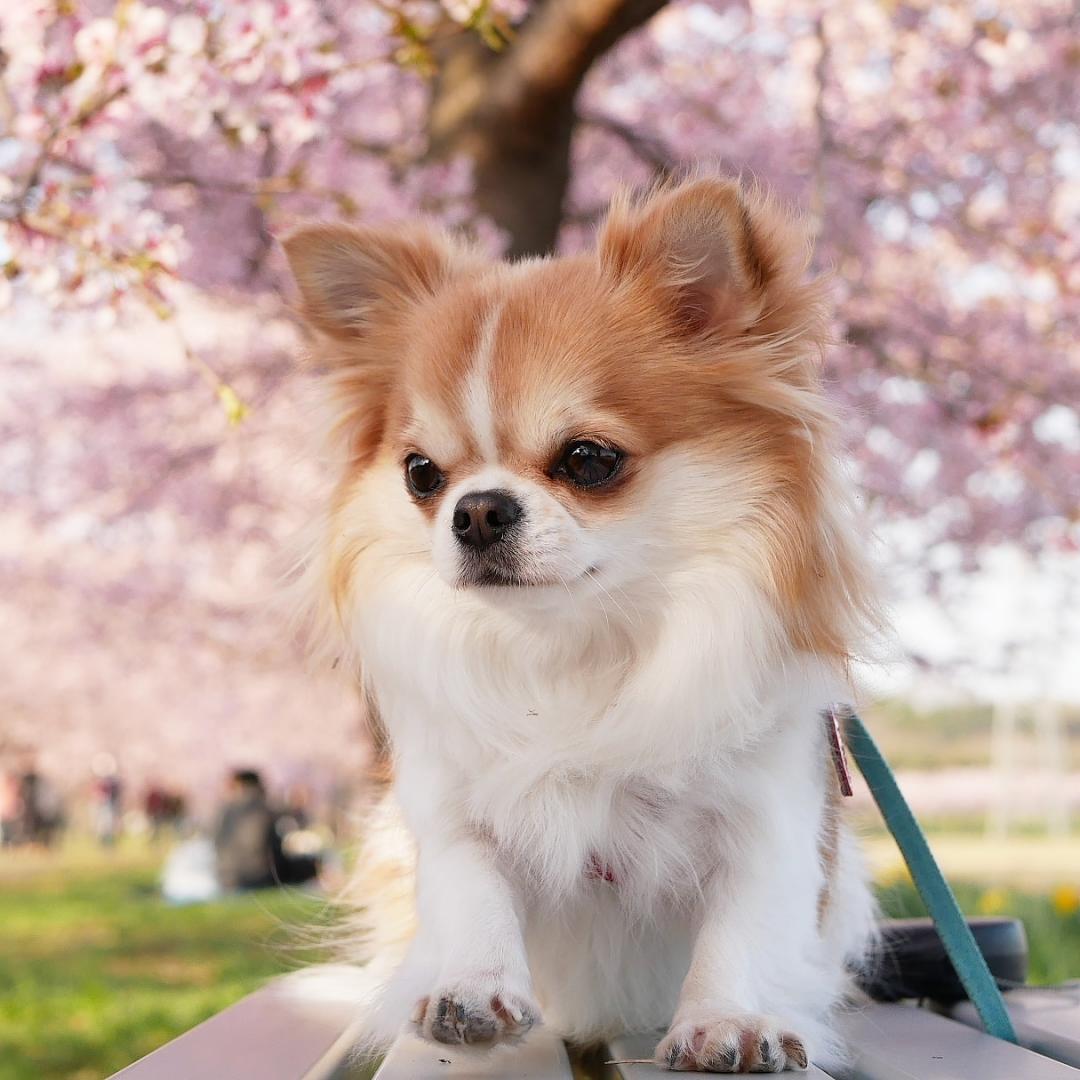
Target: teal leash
959,942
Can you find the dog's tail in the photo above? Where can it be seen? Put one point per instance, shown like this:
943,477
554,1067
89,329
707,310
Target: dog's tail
372,936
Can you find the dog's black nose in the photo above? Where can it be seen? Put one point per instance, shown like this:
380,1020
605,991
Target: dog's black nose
481,518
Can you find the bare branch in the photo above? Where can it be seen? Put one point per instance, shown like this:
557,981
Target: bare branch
649,148
264,238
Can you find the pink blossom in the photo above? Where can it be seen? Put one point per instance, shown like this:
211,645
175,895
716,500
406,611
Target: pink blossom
150,152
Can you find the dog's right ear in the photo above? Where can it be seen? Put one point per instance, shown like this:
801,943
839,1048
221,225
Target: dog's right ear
346,273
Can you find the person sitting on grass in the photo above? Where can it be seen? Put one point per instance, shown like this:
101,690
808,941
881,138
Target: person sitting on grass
248,840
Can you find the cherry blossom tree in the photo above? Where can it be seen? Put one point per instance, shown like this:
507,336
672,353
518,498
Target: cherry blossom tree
151,151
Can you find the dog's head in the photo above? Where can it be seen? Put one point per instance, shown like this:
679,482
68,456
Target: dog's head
586,426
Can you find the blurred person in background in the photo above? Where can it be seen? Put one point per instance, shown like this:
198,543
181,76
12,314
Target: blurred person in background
175,812
107,795
303,842
156,807
243,840
258,846
49,819
9,808
31,810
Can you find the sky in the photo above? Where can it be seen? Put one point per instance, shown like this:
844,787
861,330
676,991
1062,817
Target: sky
1009,632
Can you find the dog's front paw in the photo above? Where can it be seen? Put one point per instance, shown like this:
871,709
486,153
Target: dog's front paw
736,1043
475,1011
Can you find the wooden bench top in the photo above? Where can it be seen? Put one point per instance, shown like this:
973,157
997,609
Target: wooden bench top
272,1035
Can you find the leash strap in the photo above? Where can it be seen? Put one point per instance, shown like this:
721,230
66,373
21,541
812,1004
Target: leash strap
969,962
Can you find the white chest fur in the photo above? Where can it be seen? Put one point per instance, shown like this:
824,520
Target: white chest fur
518,727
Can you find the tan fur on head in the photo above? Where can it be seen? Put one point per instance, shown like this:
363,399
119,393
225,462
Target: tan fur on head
708,276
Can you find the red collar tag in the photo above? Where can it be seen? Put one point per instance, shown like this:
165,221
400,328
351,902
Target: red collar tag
836,744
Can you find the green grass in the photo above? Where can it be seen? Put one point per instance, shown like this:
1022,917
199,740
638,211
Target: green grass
95,970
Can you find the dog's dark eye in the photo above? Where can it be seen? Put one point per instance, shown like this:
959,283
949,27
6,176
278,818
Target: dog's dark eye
422,475
588,464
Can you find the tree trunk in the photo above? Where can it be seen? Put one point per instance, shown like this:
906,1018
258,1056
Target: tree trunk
512,111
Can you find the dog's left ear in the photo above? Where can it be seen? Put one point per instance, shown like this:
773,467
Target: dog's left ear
712,250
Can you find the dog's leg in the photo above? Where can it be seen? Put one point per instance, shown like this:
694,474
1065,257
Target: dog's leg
468,912
762,979
723,1023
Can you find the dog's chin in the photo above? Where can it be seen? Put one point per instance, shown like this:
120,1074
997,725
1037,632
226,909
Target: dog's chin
494,578
513,581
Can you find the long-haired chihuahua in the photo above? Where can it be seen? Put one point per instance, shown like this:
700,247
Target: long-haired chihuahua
591,553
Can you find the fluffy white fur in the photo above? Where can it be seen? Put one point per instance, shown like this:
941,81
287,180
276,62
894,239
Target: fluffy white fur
612,783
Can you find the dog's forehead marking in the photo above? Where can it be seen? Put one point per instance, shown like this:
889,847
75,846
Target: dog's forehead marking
477,400
511,384
547,328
